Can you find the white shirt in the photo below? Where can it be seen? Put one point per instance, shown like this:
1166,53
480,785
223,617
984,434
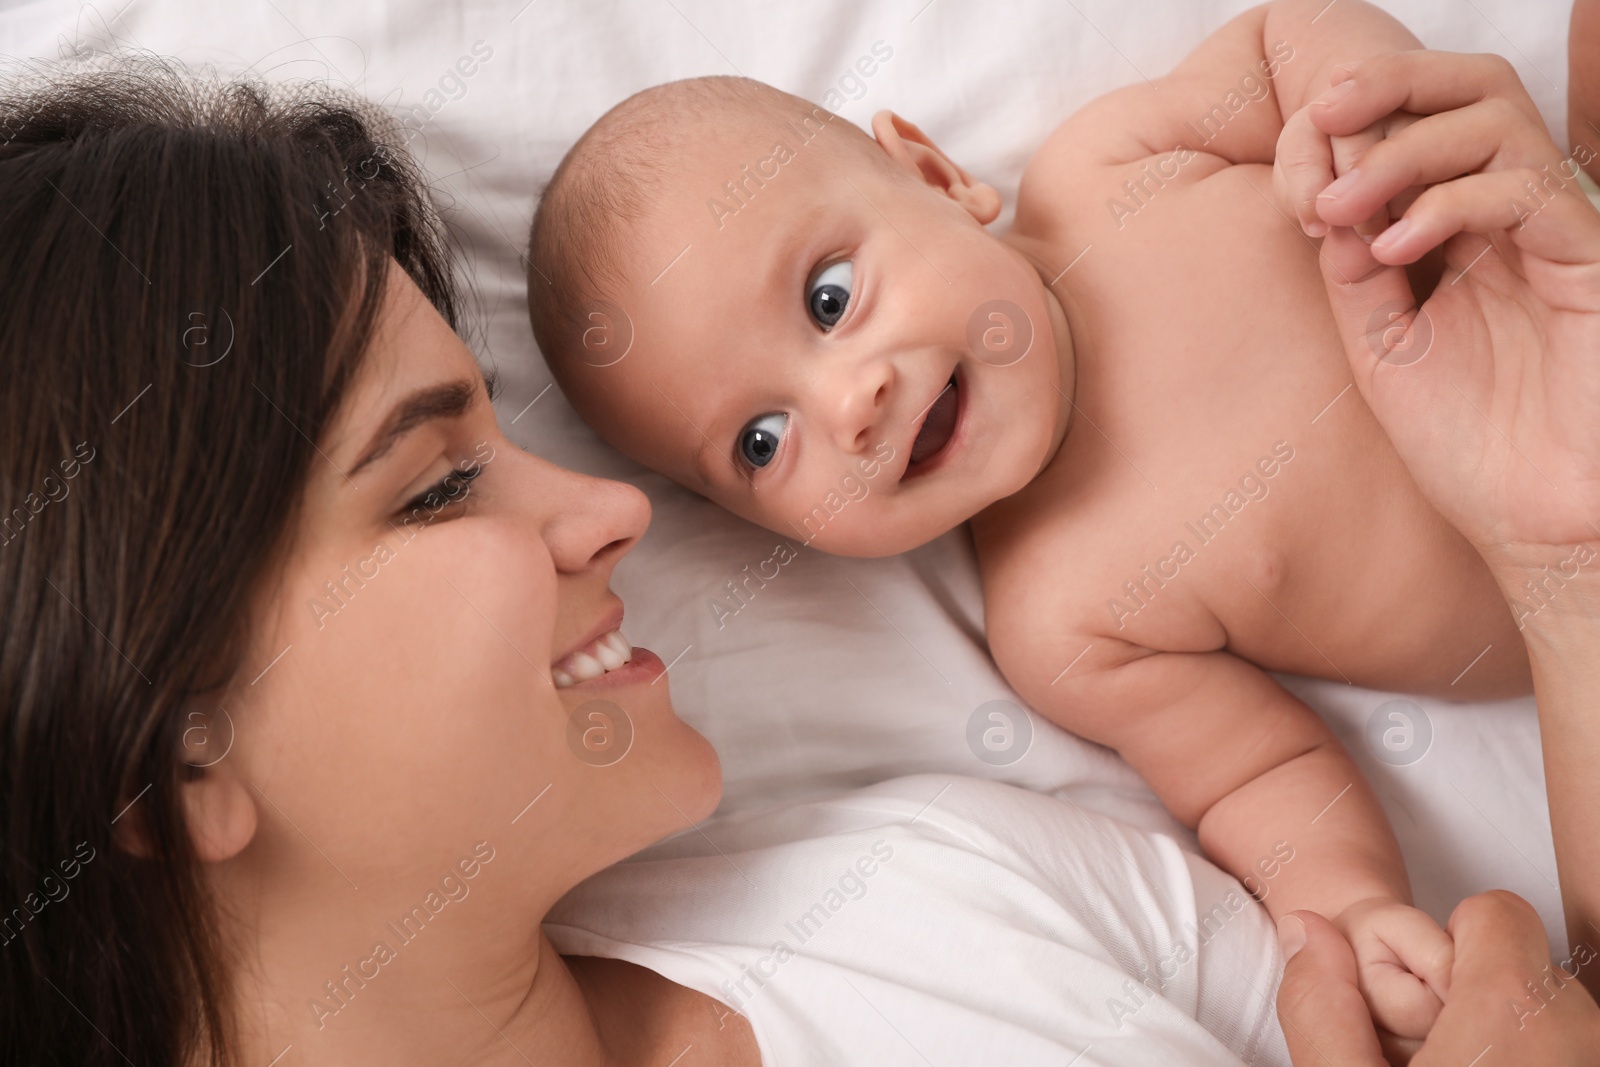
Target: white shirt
947,921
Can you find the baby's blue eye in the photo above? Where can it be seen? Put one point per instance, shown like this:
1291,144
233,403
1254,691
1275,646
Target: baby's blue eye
758,442
830,294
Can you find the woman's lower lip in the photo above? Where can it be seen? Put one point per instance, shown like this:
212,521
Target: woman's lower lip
643,668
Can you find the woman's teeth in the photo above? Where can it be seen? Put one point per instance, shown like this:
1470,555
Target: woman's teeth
605,653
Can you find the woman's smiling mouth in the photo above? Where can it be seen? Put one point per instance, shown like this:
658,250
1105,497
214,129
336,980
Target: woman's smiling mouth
606,661
602,655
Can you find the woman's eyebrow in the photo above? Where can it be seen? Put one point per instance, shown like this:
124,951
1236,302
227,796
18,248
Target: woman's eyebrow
443,401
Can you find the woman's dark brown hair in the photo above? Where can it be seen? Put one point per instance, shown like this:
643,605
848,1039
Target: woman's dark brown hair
190,271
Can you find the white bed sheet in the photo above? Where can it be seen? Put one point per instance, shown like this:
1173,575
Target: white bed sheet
838,673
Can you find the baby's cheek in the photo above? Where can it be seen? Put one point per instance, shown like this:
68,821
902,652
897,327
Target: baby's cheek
877,524
759,509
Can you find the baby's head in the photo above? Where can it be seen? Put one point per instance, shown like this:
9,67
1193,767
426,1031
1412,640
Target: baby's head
806,324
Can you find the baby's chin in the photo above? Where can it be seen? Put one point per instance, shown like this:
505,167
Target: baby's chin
871,535
889,522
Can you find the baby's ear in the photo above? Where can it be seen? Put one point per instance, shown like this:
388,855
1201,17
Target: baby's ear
913,152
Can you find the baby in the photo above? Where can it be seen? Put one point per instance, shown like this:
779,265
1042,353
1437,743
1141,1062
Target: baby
1136,396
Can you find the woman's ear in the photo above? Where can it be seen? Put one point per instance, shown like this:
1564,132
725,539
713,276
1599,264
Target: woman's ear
221,814
217,808
913,152
217,805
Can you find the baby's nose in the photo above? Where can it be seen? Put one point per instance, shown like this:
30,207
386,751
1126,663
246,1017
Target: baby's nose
856,400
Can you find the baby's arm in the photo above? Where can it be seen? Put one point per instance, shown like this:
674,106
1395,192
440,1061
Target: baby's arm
1248,78
1240,97
1232,753
1325,36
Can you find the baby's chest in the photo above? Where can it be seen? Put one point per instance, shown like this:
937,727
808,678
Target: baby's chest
1284,547
1223,484
1195,509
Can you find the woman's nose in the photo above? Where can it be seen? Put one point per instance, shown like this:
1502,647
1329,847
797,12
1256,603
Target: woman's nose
587,522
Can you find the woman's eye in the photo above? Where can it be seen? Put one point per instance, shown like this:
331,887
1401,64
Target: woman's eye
830,294
453,488
758,442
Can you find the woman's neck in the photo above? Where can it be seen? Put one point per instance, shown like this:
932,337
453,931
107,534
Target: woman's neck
645,1019
490,1008
449,996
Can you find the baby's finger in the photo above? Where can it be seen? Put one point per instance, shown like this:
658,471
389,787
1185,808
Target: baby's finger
1422,82
1405,968
1563,229
1400,1003
1302,168
1436,149
1421,944
1348,150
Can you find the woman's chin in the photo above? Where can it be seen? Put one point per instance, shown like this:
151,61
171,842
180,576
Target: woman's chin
682,766
701,776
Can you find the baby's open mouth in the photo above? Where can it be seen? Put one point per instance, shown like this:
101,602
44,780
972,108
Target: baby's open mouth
938,427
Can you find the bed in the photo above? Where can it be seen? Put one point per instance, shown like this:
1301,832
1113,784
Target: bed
837,673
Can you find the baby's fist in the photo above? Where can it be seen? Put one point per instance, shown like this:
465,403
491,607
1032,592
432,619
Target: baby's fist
1403,961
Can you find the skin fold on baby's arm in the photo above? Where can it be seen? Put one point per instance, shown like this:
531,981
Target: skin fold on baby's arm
1229,750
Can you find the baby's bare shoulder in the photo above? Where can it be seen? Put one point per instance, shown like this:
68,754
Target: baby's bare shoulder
1048,556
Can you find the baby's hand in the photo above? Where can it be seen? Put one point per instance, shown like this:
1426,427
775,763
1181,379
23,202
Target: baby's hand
1403,961
1307,161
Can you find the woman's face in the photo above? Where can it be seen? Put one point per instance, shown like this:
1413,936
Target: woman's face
397,706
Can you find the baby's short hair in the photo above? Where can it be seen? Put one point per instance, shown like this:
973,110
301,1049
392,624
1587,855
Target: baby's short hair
609,179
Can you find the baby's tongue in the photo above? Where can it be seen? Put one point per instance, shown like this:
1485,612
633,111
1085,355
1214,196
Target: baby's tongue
937,427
